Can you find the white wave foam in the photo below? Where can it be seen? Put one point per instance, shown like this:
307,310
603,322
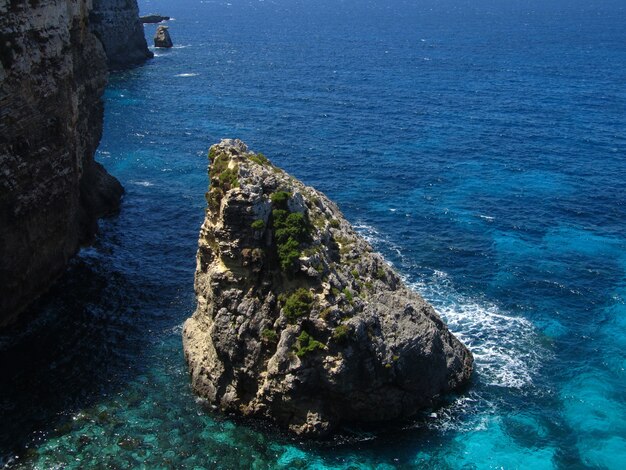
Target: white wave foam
505,347
175,330
186,75
145,184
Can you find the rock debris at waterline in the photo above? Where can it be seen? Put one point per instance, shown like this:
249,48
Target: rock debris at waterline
298,320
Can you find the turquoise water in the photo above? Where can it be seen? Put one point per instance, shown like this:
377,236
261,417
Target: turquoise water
479,146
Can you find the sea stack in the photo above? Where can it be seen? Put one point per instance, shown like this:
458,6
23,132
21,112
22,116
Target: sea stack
162,37
298,321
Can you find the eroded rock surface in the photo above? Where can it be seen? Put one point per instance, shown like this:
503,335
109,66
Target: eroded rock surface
298,320
52,76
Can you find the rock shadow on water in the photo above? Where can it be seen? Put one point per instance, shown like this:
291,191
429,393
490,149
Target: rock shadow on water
74,346
392,442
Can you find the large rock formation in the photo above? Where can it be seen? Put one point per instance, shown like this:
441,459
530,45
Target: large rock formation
298,320
52,75
117,25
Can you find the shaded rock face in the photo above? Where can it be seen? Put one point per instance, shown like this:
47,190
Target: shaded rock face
52,75
162,37
117,25
298,321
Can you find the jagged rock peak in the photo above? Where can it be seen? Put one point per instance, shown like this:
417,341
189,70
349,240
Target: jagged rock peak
162,37
298,320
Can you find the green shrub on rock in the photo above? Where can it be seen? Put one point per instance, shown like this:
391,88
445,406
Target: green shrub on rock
259,158
229,178
340,333
293,226
212,153
307,344
290,230
258,225
269,335
298,304
279,199
288,254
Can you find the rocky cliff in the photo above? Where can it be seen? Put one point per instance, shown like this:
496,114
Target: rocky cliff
52,76
298,320
117,25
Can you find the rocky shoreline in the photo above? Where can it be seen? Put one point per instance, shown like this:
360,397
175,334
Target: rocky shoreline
298,320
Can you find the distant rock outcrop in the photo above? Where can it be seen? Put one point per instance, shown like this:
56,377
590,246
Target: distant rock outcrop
117,25
151,19
298,320
52,76
162,37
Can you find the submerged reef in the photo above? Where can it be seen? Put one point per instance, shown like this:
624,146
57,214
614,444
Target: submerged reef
298,321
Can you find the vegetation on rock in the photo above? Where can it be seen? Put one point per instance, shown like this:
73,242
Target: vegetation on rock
279,199
340,333
260,159
269,335
258,225
298,304
307,344
290,230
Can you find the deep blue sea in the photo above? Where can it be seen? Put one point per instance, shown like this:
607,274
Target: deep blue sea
479,145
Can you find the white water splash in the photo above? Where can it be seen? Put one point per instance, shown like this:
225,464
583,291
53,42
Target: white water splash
505,347
145,184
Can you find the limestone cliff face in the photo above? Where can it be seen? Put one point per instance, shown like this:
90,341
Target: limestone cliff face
297,319
52,75
117,25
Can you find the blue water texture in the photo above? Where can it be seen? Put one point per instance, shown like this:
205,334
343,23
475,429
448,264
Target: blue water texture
480,146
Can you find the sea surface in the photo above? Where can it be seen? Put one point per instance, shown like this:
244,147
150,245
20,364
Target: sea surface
480,146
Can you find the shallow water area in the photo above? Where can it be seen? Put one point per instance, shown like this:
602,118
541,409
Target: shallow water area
479,147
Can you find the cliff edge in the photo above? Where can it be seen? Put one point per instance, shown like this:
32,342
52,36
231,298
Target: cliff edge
298,320
52,76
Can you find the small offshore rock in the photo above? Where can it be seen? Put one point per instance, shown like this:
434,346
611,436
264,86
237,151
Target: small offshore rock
152,19
162,37
298,321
